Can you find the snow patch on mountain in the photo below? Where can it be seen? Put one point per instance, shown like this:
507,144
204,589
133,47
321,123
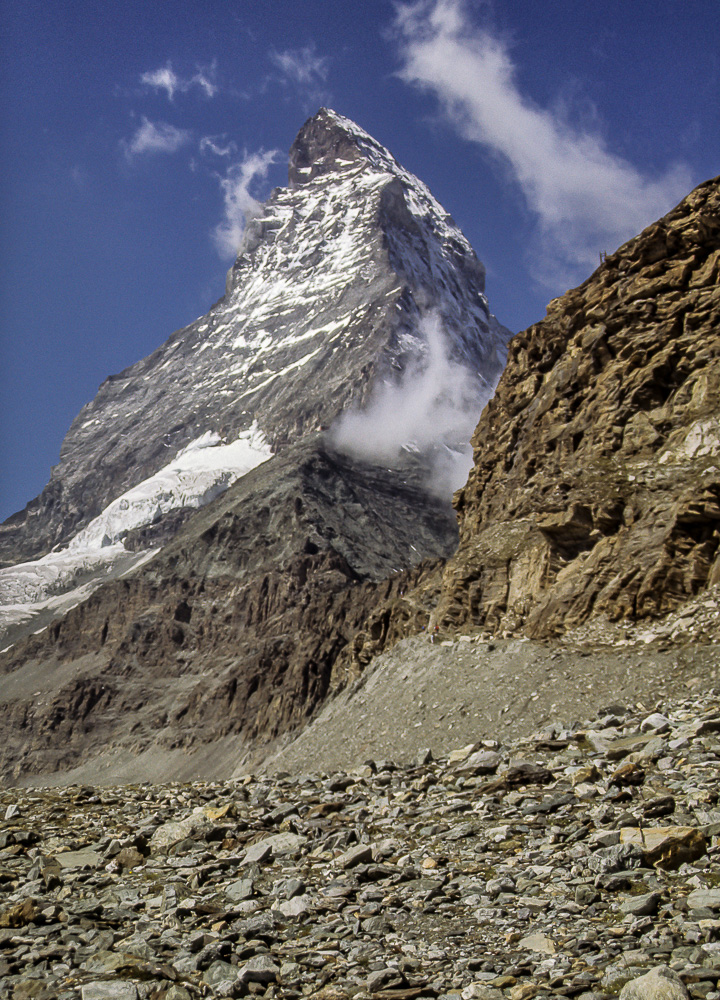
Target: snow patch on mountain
199,473
43,589
202,471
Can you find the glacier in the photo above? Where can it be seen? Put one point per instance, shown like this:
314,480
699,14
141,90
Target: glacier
58,581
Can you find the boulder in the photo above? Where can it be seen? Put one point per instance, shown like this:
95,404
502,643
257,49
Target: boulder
660,983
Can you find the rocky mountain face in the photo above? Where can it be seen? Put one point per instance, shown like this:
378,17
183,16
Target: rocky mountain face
595,491
236,549
594,499
322,303
234,628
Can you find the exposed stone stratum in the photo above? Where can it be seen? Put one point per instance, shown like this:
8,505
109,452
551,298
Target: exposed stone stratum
595,491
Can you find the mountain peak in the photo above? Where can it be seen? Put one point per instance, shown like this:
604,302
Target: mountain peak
330,143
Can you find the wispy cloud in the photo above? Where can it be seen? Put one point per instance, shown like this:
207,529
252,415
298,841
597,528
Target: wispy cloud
240,204
305,70
585,198
162,79
432,409
165,78
156,137
217,145
204,78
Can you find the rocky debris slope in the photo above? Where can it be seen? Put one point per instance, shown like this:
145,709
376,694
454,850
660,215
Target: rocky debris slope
567,865
322,303
234,627
595,491
436,694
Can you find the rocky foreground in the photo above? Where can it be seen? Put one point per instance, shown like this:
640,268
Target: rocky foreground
569,864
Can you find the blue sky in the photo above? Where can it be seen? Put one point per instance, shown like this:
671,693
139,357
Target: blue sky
134,135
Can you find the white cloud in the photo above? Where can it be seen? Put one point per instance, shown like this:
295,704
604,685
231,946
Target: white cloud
213,144
167,79
306,70
156,137
203,80
585,197
239,202
433,410
302,66
162,79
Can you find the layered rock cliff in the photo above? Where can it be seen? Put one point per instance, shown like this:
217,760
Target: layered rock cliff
235,627
595,490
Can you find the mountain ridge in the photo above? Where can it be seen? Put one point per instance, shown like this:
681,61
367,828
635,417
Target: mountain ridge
213,548
593,507
324,307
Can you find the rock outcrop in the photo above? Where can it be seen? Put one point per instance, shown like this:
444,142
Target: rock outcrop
595,490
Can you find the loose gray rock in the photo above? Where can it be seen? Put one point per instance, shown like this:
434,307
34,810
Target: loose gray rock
109,991
79,859
260,969
298,906
481,991
242,889
641,906
655,723
482,762
448,890
220,972
709,898
175,831
258,853
360,855
660,983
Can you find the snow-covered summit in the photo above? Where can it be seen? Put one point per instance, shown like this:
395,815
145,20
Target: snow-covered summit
323,304
330,144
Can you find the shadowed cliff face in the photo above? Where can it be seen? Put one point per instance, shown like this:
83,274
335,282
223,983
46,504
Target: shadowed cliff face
596,482
235,627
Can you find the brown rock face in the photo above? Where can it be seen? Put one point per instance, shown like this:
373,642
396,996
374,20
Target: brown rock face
596,485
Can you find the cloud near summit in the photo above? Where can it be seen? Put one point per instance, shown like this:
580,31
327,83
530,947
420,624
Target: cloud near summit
239,203
585,198
305,70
